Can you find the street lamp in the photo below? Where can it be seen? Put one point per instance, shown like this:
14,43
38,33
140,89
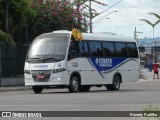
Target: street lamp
95,24
104,16
99,20
117,28
153,26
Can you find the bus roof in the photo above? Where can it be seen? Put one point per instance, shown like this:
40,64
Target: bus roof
100,36
105,37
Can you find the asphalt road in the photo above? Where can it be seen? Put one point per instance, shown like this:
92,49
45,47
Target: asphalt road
131,97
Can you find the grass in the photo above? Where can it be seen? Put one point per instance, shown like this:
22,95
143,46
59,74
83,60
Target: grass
150,109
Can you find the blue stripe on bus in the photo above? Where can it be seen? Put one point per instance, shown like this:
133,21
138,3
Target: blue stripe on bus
107,64
95,67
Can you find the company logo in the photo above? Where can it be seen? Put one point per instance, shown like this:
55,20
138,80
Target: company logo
40,72
40,66
59,64
6,114
21,114
103,62
75,64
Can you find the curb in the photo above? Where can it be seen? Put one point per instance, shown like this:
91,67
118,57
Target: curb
149,79
12,88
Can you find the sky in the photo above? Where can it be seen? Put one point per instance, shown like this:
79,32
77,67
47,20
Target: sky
127,17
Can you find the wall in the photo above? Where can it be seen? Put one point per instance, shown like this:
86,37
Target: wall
12,61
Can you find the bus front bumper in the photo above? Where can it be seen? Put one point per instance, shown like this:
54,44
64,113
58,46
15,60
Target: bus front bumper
30,81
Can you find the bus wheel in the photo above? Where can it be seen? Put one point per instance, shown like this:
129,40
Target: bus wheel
74,84
115,85
37,89
84,88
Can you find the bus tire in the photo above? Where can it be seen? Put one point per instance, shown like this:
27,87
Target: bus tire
115,85
109,87
37,89
74,84
84,88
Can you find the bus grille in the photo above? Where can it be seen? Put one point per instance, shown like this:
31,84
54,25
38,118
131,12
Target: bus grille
45,73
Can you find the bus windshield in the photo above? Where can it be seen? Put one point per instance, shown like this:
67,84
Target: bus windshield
48,48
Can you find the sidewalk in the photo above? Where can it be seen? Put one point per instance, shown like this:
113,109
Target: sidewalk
147,76
15,88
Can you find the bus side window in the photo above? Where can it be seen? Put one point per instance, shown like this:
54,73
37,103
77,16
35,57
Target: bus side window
132,50
83,49
121,49
73,50
108,49
96,49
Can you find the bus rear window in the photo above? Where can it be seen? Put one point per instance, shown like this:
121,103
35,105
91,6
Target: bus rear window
132,50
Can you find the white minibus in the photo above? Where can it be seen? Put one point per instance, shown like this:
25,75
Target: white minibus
55,59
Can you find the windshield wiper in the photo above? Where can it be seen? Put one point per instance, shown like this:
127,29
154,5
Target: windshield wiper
50,58
37,59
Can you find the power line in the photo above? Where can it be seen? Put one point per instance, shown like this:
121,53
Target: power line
118,14
103,17
112,6
109,8
128,25
126,17
134,6
138,13
148,4
98,6
133,25
123,4
133,10
100,13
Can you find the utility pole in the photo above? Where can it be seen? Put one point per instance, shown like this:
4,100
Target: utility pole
85,22
26,32
79,22
135,34
6,16
90,17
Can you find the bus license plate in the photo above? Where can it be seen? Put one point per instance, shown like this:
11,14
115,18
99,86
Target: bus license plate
40,76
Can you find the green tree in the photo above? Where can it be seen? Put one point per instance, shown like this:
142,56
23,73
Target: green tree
20,15
4,36
7,37
53,15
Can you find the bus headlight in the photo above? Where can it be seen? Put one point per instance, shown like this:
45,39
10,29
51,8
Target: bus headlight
56,78
58,70
27,71
29,80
